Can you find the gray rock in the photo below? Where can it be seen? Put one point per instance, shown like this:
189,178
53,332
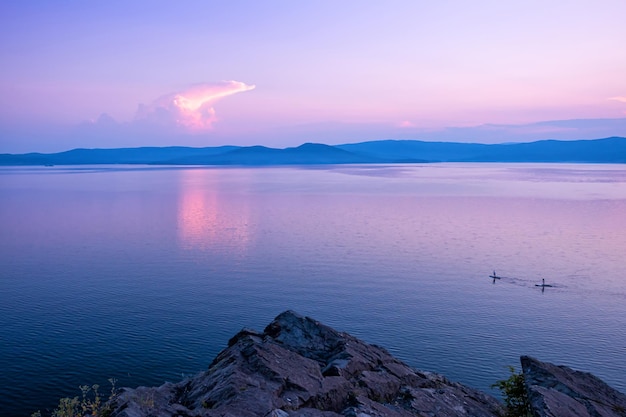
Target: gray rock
300,368
559,391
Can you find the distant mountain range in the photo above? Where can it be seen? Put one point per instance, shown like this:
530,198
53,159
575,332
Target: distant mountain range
608,150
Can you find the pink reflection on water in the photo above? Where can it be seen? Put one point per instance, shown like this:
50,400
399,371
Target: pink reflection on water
206,221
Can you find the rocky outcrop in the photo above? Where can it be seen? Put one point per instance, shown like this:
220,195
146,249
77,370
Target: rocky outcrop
298,367
559,391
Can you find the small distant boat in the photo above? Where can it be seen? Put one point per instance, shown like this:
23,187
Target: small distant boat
543,284
494,276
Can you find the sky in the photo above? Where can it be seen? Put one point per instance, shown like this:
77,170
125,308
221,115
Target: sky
281,73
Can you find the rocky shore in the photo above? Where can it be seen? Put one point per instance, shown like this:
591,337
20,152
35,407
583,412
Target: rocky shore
298,367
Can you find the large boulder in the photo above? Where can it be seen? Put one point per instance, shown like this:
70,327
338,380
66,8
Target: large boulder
298,367
559,391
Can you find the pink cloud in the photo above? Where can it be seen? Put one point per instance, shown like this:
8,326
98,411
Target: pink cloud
621,99
190,109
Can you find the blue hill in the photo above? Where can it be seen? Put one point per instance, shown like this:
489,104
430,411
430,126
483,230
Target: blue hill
308,153
607,150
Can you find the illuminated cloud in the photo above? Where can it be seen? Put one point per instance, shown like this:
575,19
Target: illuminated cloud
621,99
191,109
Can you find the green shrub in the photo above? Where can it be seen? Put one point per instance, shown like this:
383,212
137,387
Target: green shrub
514,395
89,405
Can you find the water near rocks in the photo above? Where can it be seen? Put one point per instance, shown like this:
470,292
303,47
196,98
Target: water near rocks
143,273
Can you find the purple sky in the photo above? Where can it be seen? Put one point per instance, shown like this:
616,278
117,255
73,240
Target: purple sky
280,73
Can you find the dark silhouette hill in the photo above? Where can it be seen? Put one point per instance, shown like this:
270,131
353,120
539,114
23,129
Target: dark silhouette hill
308,153
143,155
600,150
607,150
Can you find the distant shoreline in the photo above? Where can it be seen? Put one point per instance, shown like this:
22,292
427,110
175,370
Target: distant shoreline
603,151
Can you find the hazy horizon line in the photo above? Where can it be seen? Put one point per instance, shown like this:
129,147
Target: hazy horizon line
314,143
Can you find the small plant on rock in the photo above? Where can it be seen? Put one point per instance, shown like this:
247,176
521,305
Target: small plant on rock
514,395
89,405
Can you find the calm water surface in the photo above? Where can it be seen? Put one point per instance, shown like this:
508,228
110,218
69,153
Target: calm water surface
143,273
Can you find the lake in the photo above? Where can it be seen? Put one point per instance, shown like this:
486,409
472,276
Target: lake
143,273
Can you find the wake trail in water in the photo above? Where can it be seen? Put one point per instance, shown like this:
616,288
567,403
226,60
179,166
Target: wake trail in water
524,282
556,285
